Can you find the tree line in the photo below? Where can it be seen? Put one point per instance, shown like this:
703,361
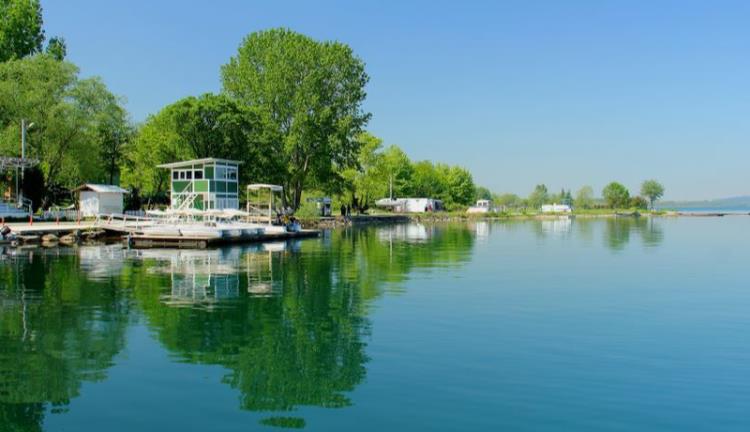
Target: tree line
290,108
613,196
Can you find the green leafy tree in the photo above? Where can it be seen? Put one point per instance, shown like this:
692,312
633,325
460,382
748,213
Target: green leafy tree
206,126
459,187
57,48
482,193
21,32
309,96
653,190
368,181
398,170
508,200
426,181
70,116
638,202
616,195
539,196
585,197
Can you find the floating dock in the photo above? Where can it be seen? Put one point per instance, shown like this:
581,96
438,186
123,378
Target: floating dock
143,241
31,234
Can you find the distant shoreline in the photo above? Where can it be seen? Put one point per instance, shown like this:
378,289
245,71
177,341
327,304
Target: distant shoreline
386,219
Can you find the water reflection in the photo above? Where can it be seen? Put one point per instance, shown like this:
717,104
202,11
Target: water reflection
58,329
288,321
618,232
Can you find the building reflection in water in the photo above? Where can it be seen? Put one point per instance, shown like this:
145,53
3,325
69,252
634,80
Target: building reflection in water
209,278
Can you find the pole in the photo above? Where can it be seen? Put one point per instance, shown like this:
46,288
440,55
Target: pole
390,184
23,146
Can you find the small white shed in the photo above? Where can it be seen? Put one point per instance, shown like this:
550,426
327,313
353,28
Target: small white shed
96,199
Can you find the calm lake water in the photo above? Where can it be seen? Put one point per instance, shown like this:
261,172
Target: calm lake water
540,325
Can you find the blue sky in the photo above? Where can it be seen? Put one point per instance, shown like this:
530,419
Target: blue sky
565,93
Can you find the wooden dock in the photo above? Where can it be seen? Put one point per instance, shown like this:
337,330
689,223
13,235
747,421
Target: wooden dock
141,241
131,231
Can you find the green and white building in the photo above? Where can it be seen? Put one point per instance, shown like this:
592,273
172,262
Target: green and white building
204,184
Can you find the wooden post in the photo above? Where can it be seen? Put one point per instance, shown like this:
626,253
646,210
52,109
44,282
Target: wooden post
31,219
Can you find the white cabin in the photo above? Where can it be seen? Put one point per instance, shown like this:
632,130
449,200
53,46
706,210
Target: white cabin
96,199
482,206
556,208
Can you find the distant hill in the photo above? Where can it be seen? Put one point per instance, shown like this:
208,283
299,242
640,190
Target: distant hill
733,203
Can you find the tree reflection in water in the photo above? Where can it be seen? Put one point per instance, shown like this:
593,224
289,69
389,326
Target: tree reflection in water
57,329
288,321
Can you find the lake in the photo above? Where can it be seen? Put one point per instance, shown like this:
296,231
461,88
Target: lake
581,325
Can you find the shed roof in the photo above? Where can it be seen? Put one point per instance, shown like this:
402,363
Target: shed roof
192,162
258,186
100,188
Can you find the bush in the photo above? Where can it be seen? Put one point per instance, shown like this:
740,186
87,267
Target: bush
639,202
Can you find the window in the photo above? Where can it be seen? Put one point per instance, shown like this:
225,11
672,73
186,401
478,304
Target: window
189,175
198,174
232,174
182,175
175,175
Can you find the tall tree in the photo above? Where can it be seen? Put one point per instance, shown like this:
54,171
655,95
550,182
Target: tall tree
584,197
309,96
653,190
57,48
539,196
482,193
69,115
398,171
368,181
616,195
21,32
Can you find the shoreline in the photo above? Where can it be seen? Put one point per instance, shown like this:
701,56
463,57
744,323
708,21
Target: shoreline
386,219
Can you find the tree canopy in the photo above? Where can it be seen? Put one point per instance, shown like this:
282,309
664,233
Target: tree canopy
308,95
198,127
74,119
653,190
616,195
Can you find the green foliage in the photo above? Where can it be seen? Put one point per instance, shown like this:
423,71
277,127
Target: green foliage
308,96
508,200
57,48
21,32
369,180
584,198
482,193
616,195
538,197
638,202
192,128
398,169
653,190
73,119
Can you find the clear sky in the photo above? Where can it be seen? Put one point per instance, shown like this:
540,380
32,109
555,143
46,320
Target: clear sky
565,93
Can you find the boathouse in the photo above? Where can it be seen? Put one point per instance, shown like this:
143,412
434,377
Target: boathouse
99,199
204,184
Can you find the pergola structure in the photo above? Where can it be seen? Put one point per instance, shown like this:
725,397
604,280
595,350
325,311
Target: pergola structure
261,202
16,163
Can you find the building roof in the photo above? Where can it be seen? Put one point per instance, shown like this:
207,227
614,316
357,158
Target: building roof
100,188
258,186
192,162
